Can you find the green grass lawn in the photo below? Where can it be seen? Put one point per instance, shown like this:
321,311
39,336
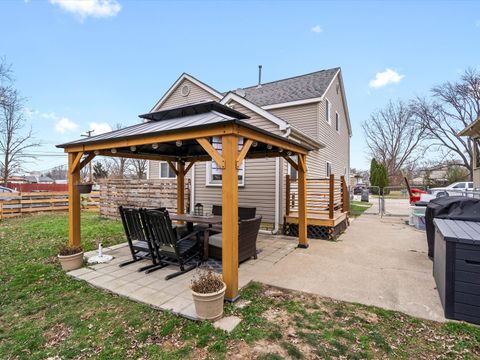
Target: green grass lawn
357,208
44,313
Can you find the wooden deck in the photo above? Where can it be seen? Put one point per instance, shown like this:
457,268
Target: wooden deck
327,201
319,219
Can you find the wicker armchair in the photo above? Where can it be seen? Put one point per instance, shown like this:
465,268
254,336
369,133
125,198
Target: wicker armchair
247,240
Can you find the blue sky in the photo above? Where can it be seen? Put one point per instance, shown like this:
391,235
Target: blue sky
91,65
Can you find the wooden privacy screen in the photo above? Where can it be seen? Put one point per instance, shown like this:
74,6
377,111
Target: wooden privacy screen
17,204
140,193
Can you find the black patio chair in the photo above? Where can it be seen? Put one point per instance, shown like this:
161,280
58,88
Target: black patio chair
140,246
172,249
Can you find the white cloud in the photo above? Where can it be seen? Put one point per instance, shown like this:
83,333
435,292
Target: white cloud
100,128
86,8
317,29
65,125
384,78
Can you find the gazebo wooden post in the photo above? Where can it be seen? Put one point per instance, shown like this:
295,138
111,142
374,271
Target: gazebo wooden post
230,216
73,199
180,187
302,201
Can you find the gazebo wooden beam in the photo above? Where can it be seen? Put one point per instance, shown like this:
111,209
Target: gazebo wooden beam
205,143
73,201
174,169
187,169
274,141
290,161
246,146
76,161
230,216
86,160
302,201
180,187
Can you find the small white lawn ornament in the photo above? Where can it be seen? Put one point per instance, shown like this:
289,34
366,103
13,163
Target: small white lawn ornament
100,258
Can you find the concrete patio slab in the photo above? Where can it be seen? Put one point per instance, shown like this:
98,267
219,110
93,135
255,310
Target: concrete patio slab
172,295
377,261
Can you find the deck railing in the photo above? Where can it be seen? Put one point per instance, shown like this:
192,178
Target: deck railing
17,204
325,196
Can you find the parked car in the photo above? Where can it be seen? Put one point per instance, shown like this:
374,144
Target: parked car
4,197
358,189
456,189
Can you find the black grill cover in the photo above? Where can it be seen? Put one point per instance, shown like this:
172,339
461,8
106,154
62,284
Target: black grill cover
449,207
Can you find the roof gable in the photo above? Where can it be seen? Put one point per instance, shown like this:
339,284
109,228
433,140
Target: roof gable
178,82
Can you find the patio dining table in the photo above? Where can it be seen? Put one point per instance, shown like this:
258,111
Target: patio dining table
207,220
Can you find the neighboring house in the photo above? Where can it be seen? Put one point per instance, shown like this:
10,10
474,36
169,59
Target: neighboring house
310,108
473,131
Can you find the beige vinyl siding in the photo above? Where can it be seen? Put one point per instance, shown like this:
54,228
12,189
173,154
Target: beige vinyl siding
255,119
196,94
258,191
304,118
337,144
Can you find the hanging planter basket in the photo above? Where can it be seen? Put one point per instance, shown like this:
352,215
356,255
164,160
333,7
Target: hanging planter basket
84,188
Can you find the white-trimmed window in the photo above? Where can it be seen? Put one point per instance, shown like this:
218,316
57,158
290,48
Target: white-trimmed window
214,172
337,122
166,172
327,111
291,170
328,168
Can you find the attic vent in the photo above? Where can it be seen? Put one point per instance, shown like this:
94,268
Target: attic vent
185,90
338,88
240,92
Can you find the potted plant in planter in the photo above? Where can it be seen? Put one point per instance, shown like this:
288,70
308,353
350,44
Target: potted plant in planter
208,291
70,257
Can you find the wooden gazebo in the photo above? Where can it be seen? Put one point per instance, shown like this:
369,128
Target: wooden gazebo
182,136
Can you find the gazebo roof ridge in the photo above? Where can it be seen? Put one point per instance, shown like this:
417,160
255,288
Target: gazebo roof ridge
193,109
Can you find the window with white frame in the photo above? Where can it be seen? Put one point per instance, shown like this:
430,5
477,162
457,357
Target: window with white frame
291,170
327,110
214,172
329,168
166,172
337,122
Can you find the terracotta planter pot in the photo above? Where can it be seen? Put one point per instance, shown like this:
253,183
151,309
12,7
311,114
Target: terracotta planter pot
84,188
209,306
71,262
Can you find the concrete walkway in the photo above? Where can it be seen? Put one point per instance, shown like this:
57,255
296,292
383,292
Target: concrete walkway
377,261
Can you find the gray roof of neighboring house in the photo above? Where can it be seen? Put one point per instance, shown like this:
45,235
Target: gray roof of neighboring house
296,88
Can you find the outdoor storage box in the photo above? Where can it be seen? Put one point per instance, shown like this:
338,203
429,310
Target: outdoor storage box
456,268
449,207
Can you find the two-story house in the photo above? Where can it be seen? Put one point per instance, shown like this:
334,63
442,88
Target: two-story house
311,108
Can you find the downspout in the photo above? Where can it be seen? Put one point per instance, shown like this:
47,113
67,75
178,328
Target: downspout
274,231
276,224
192,188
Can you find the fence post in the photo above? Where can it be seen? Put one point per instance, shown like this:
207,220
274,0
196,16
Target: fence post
287,195
331,196
345,199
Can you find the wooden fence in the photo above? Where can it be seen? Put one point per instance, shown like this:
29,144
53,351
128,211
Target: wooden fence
140,193
325,196
17,204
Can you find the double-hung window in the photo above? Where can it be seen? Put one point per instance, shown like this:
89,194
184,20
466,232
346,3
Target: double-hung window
327,111
214,172
328,169
166,172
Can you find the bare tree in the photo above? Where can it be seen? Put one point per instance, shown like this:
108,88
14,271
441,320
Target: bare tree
15,140
139,168
119,165
394,137
59,172
454,106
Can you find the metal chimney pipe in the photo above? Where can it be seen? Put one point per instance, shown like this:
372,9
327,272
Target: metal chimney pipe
259,75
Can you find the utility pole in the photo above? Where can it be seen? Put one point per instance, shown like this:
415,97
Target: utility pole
87,134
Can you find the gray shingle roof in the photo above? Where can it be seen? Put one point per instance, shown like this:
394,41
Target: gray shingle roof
296,88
